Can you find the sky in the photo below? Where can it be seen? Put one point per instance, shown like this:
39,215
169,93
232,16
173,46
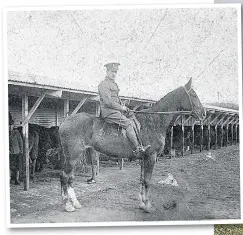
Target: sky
159,49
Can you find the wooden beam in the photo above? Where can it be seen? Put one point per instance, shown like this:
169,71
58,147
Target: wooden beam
66,108
215,118
35,106
57,93
226,120
25,130
177,118
220,120
183,123
95,98
208,117
234,119
80,104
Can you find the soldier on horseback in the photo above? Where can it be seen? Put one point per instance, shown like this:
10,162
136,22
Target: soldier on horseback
113,111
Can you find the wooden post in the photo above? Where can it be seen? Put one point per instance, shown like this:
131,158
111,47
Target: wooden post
232,133
227,135
237,132
209,137
66,108
25,130
216,136
171,139
121,164
183,139
193,138
201,137
97,111
222,136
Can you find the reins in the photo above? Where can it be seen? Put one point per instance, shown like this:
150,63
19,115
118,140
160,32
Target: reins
172,112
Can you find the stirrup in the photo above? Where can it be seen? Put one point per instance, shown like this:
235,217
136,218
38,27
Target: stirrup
141,149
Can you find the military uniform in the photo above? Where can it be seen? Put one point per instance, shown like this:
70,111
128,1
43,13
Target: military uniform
112,108
110,103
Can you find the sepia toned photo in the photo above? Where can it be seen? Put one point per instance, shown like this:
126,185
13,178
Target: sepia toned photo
123,115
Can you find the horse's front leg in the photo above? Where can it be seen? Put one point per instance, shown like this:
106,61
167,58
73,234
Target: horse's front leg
149,163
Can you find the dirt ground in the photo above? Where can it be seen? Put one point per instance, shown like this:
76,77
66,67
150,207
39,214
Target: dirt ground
208,189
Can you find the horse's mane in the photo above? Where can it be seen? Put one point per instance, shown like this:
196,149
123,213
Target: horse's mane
165,101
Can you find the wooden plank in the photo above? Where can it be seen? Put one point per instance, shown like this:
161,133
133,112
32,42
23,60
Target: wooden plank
66,108
33,109
25,130
80,104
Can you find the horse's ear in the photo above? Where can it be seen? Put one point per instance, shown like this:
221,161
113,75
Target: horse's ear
189,84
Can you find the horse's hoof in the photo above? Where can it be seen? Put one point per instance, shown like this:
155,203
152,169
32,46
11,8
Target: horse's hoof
91,181
142,206
69,208
77,205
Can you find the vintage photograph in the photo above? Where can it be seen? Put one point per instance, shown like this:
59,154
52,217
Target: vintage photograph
123,115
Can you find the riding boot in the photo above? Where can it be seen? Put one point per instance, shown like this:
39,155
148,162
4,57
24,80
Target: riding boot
133,139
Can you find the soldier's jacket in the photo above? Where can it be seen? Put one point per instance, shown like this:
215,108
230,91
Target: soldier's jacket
110,102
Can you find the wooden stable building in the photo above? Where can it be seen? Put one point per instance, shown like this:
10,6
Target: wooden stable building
32,101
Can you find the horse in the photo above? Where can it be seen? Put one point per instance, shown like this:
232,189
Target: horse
85,131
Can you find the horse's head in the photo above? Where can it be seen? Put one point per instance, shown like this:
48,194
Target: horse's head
190,101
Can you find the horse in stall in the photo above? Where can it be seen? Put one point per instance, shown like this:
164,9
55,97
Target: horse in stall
85,131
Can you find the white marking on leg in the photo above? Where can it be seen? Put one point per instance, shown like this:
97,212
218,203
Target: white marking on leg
73,198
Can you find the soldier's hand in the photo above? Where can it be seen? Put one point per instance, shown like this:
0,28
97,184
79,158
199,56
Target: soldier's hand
125,109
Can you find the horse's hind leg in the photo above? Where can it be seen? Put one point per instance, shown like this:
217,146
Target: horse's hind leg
67,190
